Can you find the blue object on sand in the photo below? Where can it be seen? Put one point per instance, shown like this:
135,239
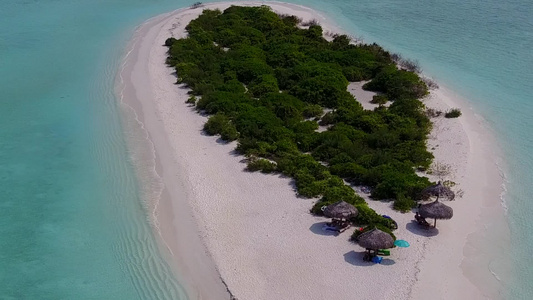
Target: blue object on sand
401,243
377,259
330,228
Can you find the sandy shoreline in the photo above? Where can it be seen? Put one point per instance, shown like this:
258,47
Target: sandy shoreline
217,221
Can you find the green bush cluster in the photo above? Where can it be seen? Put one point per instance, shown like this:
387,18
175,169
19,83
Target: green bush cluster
404,204
379,99
263,79
312,111
263,165
397,84
191,100
221,124
368,217
453,113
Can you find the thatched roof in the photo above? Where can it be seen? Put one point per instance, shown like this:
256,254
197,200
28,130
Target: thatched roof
376,239
436,210
340,210
438,190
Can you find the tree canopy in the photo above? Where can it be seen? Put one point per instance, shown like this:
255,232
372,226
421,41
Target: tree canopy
266,81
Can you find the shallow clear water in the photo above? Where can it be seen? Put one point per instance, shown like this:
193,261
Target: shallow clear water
72,224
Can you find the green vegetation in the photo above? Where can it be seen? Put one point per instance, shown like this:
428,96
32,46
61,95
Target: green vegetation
453,113
379,99
266,83
404,204
312,111
221,124
191,100
260,164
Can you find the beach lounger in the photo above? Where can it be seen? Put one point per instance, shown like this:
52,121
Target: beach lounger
328,227
422,221
384,252
340,226
344,227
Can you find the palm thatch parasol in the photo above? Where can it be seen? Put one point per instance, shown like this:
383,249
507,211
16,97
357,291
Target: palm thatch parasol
438,190
376,239
340,210
435,210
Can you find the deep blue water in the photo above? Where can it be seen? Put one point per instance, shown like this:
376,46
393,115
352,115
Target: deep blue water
72,224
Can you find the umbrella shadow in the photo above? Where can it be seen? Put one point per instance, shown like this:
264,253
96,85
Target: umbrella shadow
387,262
356,259
318,228
417,229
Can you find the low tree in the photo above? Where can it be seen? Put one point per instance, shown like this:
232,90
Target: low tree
453,113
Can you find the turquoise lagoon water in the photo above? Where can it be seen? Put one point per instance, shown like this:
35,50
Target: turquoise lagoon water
72,224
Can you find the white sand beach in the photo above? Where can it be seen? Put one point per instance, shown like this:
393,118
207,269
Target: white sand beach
218,222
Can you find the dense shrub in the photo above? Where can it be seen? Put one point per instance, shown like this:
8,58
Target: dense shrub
404,204
259,164
220,124
353,74
368,216
312,111
453,113
397,84
261,77
220,101
233,86
341,192
324,89
351,171
379,99
170,41
263,85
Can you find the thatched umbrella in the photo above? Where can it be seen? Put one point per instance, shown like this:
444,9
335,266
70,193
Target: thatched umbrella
376,239
435,210
340,210
438,190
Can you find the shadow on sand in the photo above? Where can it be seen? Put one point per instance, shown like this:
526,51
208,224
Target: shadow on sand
417,229
318,228
356,259
387,262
